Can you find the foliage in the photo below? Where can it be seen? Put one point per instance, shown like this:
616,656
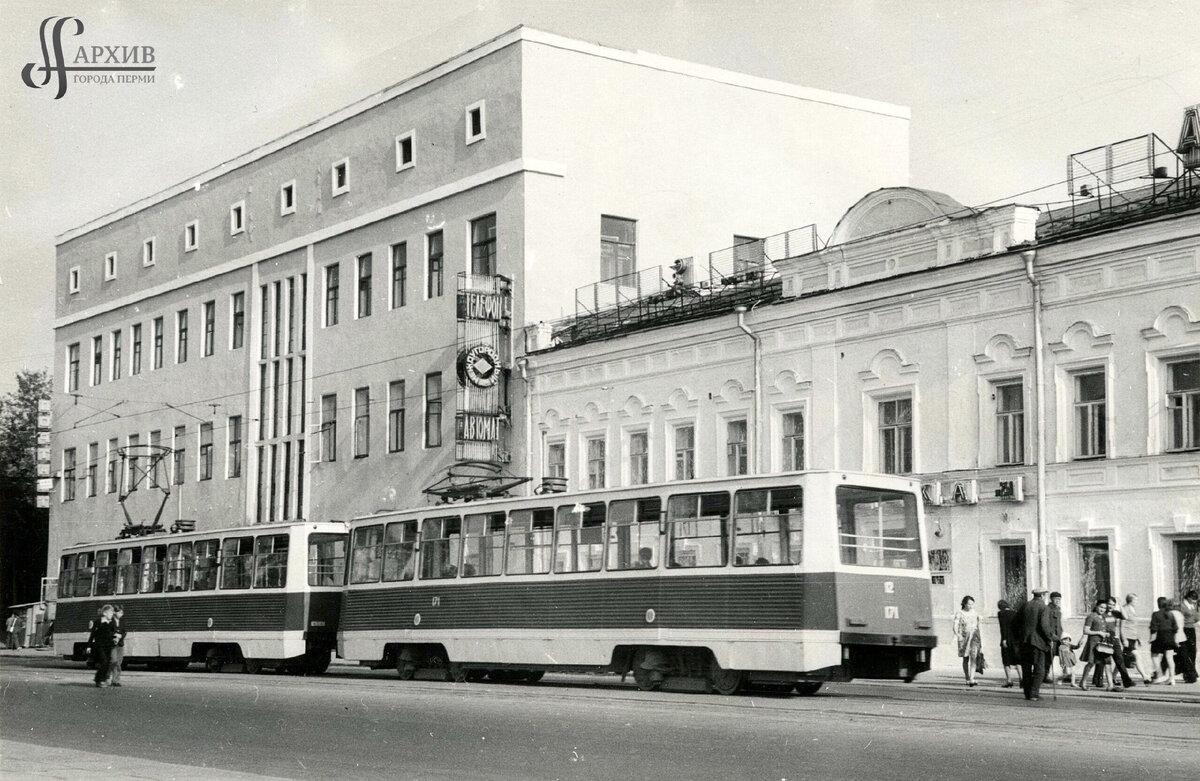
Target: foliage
23,527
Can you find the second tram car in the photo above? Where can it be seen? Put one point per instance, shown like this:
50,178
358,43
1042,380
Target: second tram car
265,595
793,579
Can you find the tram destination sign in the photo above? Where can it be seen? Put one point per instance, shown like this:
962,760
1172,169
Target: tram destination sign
492,307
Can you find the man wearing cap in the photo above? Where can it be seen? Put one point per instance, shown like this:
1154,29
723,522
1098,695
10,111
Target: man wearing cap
1036,637
1054,613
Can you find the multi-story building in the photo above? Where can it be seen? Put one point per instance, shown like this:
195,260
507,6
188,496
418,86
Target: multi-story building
1038,373
285,327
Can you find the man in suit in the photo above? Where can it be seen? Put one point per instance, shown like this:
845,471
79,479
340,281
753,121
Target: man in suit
1036,637
1054,614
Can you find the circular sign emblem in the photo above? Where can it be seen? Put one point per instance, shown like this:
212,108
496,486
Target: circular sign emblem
416,619
650,616
481,364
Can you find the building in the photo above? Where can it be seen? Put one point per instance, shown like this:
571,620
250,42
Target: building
1037,372
319,327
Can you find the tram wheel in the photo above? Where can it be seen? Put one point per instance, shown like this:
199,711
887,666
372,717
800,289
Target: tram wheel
726,681
533,676
405,669
252,666
808,688
646,680
213,661
455,673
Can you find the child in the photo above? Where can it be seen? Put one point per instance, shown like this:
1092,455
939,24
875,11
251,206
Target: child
1066,658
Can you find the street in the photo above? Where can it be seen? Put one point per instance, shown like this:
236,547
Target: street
356,723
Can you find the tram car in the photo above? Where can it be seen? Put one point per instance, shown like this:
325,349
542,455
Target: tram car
259,596
792,579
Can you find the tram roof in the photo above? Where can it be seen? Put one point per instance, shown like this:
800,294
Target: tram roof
166,536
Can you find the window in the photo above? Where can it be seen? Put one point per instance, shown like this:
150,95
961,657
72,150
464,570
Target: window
237,328
114,371
939,566
793,441
129,570
364,285
132,473
237,218
270,561
362,422
396,416
633,533
769,527
155,441
83,575
556,460
1183,406
441,543
895,436
206,451
237,562
329,427
113,472
326,559
154,566
476,122
339,177
433,266
93,468
579,538
365,558
135,366
639,458
433,409
97,359
399,551
1091,435
158,343
735,447
698,530
878,528
595,461
1010,424
1187,565
148,252
287,198
210,326
404,150
233,459
685,452
181,336
399,274
331,294
73,368
530,538
179,455
110,266
191,236
618,247
73,280
68,475
204,565
483,246
106,572
1014,573
483,544
1094,579
179,566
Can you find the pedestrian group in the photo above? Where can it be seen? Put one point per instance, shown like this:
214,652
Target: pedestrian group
106,646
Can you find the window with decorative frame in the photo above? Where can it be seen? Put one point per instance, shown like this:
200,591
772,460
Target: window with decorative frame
1010,423
1183,404
1091,409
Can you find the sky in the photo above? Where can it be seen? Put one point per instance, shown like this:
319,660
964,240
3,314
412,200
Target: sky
1000,92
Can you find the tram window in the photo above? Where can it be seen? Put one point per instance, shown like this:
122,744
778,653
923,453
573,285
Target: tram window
83,575
153,568
326,559
129,569
483,544
768,527
698,530
237,562
878,528
179,566
530,534
441,544
579,541
632,528
106,572
270,561
204,565
399,551
365,554
66,576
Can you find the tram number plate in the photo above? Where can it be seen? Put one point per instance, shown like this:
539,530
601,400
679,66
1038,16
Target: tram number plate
891,611
435,602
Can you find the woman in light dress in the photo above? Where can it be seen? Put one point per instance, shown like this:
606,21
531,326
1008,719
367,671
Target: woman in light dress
966,630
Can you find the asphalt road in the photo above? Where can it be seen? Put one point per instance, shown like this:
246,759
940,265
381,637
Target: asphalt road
361,724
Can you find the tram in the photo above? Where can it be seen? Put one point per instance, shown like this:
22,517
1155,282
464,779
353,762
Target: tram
259,596
790,579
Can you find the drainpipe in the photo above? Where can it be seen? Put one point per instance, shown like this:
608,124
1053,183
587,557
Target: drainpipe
1039,384
523,365
758,426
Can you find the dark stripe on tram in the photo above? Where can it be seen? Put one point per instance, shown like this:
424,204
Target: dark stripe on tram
246,611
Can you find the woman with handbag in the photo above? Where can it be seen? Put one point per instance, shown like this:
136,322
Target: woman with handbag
1098,648
966,631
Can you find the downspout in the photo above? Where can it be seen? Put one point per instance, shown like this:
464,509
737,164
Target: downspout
1039,386
758,426
523,365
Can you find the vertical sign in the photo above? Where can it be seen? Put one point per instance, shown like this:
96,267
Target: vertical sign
44,484
484,362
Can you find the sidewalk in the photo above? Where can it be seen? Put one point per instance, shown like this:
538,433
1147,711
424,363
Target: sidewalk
952,678
28,760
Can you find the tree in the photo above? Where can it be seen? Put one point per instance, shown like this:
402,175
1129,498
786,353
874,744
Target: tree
24,531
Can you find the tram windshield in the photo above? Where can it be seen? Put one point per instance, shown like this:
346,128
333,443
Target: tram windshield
878,528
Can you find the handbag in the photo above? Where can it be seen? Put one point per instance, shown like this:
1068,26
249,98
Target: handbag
1104,647
980,663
